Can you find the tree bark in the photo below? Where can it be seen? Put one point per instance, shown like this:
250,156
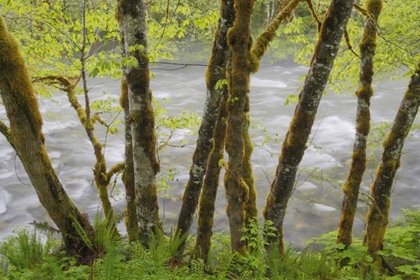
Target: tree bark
251,210
205,142
128,175
294,145
364,93
243,63
210,185
131,220
26,123
377,217
132,17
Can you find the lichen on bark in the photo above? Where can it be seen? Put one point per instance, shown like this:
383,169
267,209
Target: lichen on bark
205,142
294,145
206,206
132,18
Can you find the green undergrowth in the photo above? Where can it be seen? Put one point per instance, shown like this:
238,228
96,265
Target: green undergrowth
28,254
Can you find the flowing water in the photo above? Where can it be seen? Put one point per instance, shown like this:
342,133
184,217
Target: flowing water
315,205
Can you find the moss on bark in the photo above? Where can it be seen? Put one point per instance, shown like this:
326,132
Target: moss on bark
128,175
102,177
132,18
251,210
267,36
26,122
364,93
211,182
206,141
240,43
378,215
294,145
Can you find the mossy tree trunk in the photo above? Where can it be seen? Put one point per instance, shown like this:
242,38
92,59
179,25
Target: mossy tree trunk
206,206
364,93
128,175
26,123
251,210
208,194
7,133
243,63
377,217
258,50
132,17
294,145
205,142
131,221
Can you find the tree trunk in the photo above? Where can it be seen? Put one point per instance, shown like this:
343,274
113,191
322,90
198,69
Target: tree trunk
251,210
128,175
364,93
243,63
294,145
132,17
215,72
210,185
26,124
377,217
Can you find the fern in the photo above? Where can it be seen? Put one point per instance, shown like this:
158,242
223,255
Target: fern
44,227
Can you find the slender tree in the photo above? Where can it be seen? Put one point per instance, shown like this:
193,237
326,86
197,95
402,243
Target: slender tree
205,142
128,175
132,17
243,63
211,182
378,215
28,140
364,93
208,139
208,195
131,223
294,144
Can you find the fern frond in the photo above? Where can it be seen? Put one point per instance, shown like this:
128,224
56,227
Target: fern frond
44,227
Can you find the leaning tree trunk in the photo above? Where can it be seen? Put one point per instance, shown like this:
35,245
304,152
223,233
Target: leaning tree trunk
294,145
211,183
205,141
243,63
132,17
364,93
26,123
377,217
258,50
208,194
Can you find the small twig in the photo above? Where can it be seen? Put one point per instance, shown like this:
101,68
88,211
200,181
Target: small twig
349,46
317,128
314,16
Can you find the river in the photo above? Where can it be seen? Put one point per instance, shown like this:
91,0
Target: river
315,206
